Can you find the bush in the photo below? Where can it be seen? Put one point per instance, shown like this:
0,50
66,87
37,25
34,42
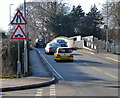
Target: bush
10,57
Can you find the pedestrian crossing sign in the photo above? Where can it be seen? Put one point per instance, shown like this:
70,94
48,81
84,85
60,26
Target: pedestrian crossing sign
18,19
18,33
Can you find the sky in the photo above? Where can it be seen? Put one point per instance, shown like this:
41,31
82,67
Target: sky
5,6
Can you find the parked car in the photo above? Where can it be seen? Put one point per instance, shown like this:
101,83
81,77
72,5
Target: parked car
62,42
51,47
63,54
39,43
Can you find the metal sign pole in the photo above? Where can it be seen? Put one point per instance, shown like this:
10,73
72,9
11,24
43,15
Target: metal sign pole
18,62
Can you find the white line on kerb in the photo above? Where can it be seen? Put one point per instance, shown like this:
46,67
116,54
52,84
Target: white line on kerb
113,59
111,75
52,68
50,65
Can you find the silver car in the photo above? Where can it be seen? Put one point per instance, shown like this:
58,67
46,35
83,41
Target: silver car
62,42
51,47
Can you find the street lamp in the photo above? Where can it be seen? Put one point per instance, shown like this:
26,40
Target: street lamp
25,45
10,15
107,25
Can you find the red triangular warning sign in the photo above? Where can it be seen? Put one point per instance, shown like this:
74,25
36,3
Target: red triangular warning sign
18,19
18,33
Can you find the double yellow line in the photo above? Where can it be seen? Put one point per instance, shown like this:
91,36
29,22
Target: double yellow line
4,78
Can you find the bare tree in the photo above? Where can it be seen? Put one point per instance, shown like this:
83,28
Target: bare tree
38,15
114,19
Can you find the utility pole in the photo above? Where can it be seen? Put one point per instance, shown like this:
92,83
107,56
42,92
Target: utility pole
25,45
106,25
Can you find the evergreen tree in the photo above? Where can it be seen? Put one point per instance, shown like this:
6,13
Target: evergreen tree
92,22
76,23
76,16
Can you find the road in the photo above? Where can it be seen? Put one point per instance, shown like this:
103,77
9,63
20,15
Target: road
88,75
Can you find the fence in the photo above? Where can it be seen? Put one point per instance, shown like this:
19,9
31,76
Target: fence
99,45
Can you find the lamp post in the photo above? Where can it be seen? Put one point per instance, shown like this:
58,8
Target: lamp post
10,17
25,45
107,25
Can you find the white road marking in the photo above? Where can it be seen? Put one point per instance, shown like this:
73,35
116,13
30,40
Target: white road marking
52,90
113,59
52,87
39,92
111,75
100,70
92,67
59,76
96,68
86,64
53,68
91,53
52,94
40,89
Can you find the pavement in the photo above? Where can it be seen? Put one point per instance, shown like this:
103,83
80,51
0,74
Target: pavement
102,54
40,76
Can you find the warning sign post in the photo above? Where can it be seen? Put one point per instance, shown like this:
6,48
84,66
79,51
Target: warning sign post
18,19
18,34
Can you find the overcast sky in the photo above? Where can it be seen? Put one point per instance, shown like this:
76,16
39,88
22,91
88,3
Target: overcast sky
5,4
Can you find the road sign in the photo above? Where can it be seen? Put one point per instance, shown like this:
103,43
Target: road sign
18,19
18,33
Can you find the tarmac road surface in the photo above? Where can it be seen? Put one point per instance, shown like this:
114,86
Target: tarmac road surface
88,75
